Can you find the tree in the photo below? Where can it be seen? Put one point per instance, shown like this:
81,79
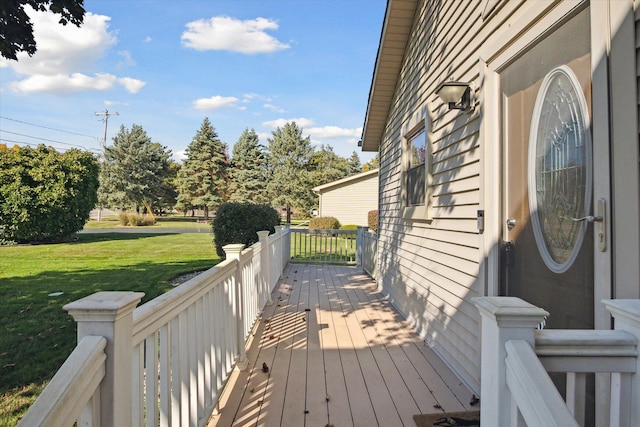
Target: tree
327,166
136,172
355,166
372,164
289,157
16,30
248,171
45,195
203,177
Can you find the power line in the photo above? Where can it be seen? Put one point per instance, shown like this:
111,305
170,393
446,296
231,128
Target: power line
31,144
45,139
47,127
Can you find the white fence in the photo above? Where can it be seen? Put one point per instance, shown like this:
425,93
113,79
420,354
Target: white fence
165,362
516,359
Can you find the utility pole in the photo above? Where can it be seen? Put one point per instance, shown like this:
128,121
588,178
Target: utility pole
106,115
105,120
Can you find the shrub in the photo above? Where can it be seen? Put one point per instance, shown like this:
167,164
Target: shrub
373,221
349,227
240,222
135,219
324,223
45,196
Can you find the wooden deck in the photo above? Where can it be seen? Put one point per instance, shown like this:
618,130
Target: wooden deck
338,354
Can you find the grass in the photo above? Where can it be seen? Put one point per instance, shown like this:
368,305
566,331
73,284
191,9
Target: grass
162,222
36,335
340,249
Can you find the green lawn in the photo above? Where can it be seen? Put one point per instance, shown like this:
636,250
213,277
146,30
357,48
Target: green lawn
36,335
314,248
162,222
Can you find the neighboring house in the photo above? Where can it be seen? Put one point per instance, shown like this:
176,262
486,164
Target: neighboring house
350,199
497,200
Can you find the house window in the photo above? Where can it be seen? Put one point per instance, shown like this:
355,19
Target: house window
416,181
416,174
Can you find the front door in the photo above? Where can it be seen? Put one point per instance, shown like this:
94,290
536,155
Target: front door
547,239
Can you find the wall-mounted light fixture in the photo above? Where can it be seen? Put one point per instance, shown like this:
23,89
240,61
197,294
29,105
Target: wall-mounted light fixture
457,95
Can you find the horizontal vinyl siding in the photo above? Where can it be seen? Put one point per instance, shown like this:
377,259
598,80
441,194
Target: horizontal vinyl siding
430,269
351,203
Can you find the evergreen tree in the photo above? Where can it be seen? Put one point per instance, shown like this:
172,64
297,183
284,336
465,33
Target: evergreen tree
355,167
327,166
203,177
135,172
289,157
248,170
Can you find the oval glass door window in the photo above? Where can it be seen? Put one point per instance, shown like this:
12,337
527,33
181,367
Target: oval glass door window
560,168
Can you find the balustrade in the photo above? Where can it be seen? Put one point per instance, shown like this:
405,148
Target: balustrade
164,363
516,358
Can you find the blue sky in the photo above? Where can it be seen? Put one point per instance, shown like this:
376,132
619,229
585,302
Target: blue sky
166,65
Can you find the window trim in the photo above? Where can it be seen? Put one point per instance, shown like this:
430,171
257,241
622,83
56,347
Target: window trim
417,212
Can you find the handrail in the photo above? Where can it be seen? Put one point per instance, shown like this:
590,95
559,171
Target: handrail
71,388
150,316
532,391
568,350
518,373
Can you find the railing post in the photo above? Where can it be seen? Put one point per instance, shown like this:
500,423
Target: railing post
503,319
286,246
279,250
233,252
110,314
265,263
626,315
360,245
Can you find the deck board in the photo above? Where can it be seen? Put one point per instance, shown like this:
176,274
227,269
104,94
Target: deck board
350,360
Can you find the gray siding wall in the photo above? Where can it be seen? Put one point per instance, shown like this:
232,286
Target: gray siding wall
431,270
351,202
636,6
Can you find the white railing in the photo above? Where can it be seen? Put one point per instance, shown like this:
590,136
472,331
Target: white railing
323,246
165,362
515,359
367,246
73,388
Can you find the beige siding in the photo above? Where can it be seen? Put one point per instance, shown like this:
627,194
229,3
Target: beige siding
431,270
351,202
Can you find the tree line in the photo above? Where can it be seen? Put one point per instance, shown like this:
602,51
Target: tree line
139,174
46,195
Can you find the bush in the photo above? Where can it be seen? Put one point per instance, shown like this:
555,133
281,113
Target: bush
324,223
134,219
349,227
373,221
45,196
240,222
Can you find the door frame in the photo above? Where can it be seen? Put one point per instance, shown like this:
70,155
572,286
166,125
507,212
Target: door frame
534,20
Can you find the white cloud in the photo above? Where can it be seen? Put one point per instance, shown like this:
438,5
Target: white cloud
279,123
329,132
127,59
215,102
65,56
274,108
76,82
179,156
63,83
226,33
147,39
132,85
